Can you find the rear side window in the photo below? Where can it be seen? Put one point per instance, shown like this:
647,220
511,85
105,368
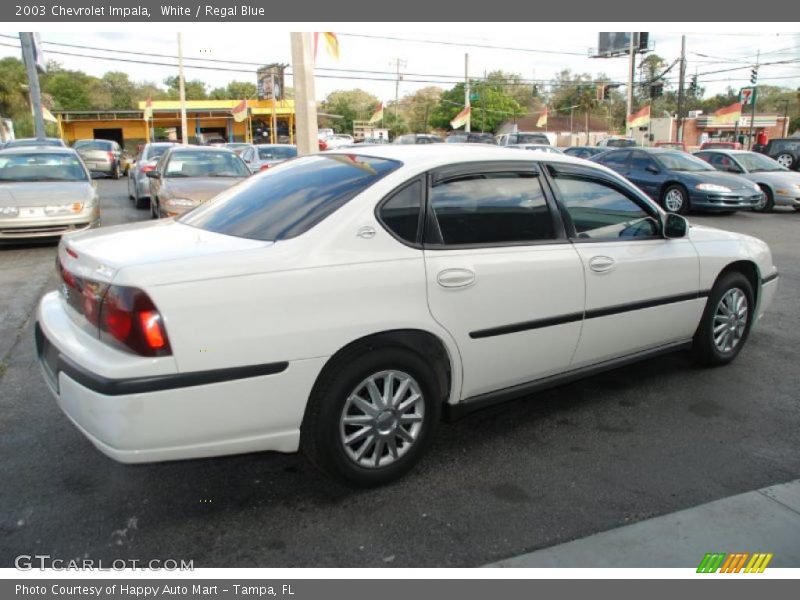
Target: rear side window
492,208
285,202
400,213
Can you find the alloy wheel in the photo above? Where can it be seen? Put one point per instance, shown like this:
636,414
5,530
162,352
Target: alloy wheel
730,320
673,201
382,419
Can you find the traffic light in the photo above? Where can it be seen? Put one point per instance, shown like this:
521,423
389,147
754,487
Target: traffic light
693,86
754,74
534,90
606,92
656,90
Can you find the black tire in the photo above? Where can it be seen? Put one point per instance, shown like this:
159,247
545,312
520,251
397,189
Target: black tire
676,188
770,200
141,203
704,349
320,435
115,174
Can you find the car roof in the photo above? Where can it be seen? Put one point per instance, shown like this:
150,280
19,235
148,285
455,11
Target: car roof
275,145
178,147
730,151
436,155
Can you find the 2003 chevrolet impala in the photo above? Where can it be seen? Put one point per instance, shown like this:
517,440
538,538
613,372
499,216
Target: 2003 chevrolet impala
341,303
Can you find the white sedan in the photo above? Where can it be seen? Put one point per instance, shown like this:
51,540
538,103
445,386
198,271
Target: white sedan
344,303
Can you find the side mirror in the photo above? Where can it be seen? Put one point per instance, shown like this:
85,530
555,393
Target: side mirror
153,174
675,226
733,169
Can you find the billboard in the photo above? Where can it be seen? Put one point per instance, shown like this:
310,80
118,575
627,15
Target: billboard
618,43
269,82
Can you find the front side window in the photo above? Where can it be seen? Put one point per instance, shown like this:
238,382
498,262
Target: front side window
400,213
492,208
640,161
600,212
283,203
614,160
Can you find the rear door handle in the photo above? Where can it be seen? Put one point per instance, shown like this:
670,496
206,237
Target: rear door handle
454,278
601,264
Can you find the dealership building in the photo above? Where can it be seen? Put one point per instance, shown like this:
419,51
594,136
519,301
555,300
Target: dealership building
205,119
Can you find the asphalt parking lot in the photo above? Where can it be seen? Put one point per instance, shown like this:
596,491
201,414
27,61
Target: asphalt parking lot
645,440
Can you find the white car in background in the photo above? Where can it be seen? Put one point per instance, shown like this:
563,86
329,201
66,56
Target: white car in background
343,303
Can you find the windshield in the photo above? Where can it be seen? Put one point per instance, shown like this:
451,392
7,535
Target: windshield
187,163
276,152
755,163
93,145
41,167
34,142
286,202
679,161
154,152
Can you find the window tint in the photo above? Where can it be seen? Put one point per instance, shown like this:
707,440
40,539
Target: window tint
400,213
284,203
614,159
492,208
640,161
598,211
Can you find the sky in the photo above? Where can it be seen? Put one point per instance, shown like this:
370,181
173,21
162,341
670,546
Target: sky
429,54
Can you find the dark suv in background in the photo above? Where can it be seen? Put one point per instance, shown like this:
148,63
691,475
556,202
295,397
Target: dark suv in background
786,151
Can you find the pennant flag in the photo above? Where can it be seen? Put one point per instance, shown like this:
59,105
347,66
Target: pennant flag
461,118
542,122
239,111
331,44
639,119
148,109
729,115
378,114
48,116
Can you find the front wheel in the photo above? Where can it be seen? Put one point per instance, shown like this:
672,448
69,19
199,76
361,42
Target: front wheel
726,321
675,199
371,418
767,200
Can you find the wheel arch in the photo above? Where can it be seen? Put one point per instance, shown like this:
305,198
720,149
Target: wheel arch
427,345
749,269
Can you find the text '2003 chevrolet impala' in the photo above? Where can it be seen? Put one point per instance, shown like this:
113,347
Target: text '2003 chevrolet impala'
342,303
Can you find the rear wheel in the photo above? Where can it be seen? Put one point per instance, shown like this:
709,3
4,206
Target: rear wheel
767,200
371,416
726,321
785,159
116,173
675,199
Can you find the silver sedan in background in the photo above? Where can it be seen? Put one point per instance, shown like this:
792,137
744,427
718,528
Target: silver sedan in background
263,156
138,183
781,186
44,193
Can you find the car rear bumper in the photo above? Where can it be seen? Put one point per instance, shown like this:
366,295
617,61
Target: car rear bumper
132,418
724,202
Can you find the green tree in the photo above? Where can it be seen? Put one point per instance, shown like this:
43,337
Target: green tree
13,96
416,108
350,105
122,92
491,107
235,90
194,89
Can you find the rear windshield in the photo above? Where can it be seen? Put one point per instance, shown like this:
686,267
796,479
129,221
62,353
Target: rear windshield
620,143
41,167
528,138
276,152
288,201
34,142
94,145
205,163
154,152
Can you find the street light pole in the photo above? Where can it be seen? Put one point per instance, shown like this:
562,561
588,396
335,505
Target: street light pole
182,91
26,39
681,85
631,69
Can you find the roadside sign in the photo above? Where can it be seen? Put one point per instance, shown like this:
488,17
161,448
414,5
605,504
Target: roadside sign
747,96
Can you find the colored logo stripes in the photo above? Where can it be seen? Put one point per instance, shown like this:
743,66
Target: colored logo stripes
734,563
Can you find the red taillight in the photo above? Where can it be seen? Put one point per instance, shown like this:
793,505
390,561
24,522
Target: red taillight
148,167
323,145
125,317
111,157
264,167
154,335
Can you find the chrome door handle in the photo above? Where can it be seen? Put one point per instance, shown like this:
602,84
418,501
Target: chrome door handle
601,264
453,278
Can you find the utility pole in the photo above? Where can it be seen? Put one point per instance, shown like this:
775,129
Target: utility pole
466,91
681,87
753,99
26,39
483,103
631,70
182,91
305,98
398,64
